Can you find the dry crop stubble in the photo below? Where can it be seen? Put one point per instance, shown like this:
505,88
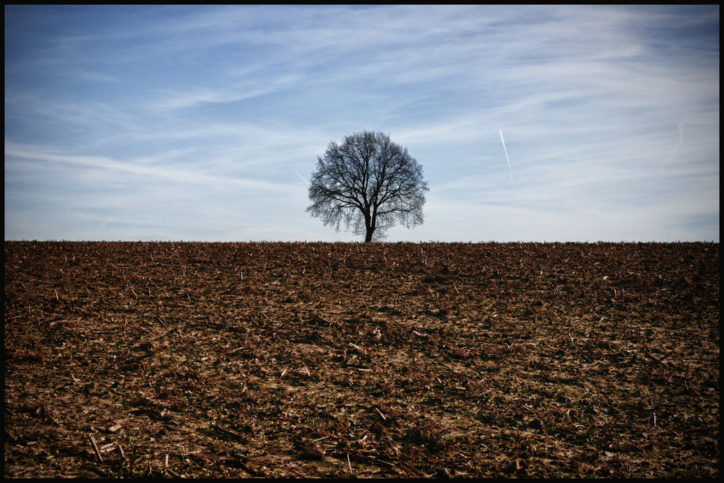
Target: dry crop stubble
349,359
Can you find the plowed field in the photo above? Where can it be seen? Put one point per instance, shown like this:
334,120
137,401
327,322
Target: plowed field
365,360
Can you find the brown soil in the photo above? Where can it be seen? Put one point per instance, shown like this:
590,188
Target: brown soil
366,360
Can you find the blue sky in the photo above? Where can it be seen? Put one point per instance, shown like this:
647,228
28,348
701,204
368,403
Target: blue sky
204,122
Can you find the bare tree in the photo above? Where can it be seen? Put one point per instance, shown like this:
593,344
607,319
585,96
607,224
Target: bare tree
368,182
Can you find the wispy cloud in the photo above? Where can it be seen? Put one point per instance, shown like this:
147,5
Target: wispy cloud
186,176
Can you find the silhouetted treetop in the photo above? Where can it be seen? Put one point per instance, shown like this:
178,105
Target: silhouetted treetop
367,182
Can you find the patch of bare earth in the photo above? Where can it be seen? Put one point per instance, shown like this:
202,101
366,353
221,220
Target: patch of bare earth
366,360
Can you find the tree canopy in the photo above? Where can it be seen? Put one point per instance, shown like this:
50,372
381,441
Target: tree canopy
367,182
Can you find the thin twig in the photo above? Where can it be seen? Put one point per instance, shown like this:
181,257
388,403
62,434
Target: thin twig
412,471
227,431
95,448
107,447
382,415
173,473
399,470
357,348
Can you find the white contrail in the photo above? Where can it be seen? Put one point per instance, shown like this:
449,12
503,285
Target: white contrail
507,158
300,176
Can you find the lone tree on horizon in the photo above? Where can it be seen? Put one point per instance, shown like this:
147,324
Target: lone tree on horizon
368,182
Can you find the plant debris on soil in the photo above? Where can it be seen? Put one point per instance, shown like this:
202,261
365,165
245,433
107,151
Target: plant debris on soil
134,359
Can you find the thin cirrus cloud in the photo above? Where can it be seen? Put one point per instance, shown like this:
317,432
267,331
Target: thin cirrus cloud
145,170
203,122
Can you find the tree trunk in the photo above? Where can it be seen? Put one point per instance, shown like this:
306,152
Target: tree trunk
369,226
368,235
